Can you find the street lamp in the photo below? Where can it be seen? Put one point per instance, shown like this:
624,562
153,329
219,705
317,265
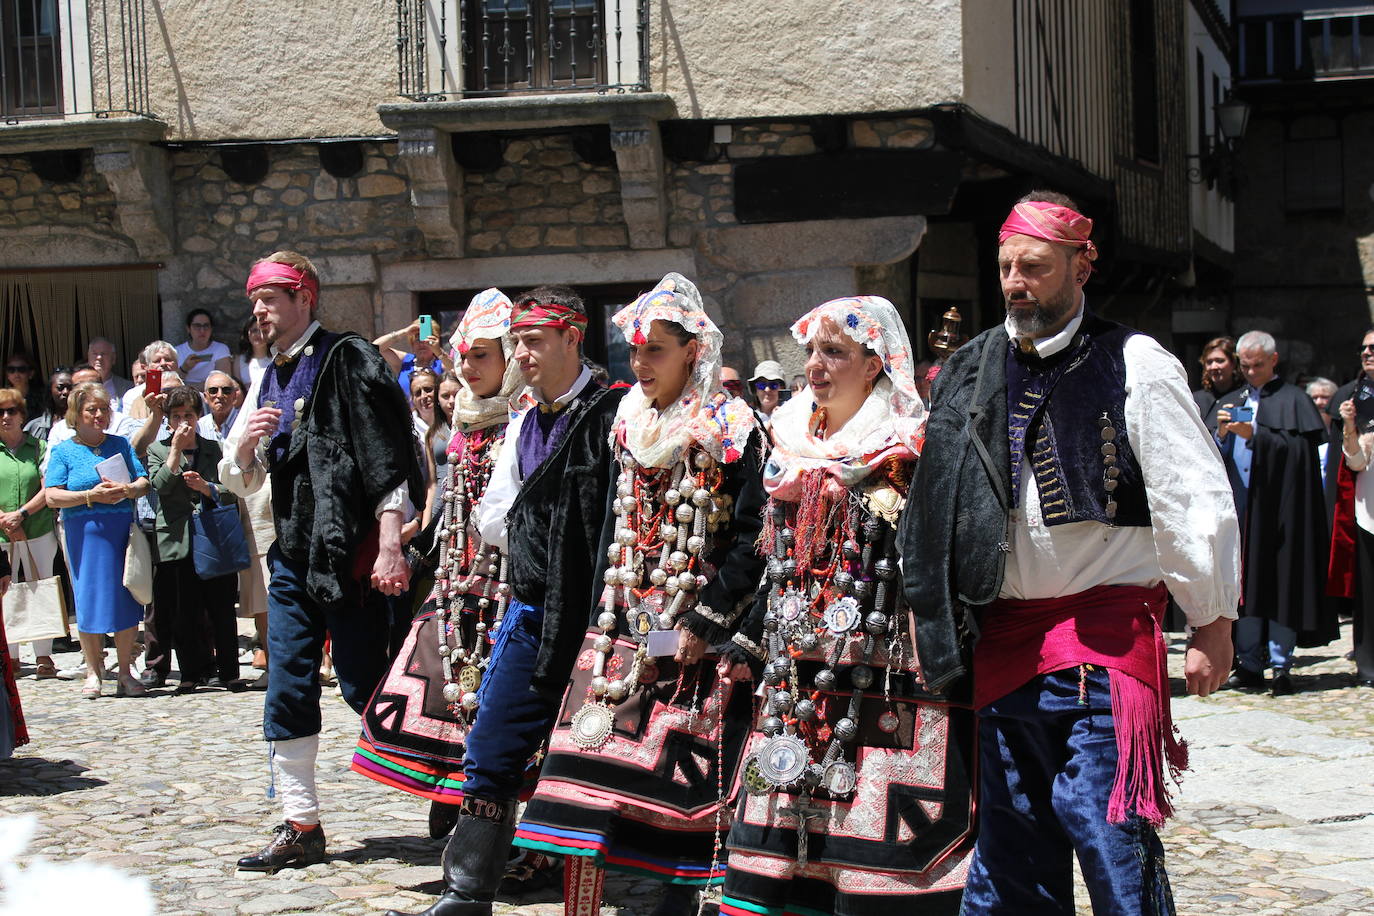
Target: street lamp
1216,160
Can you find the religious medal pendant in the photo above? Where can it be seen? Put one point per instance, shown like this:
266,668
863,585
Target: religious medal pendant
591,726
839,779
790,605
782,760
843,616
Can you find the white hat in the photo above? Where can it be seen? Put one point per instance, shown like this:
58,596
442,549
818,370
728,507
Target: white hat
770,369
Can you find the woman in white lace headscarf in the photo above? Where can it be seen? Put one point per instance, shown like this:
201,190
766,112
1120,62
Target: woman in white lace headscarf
647,701
846,734
409,742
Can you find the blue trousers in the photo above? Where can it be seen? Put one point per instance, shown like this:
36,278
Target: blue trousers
1047,765
512,721
296,630
1262,643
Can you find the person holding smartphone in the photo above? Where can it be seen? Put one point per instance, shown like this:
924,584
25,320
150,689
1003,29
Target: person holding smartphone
415,346
199,355
1268,432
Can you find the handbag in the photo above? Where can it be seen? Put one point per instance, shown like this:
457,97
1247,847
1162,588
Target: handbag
138,566
218,546
36,608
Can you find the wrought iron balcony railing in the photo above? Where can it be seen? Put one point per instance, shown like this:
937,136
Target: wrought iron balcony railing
1306,46
449,49
66,58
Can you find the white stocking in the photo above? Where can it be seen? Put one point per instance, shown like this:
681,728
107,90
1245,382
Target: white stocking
295,759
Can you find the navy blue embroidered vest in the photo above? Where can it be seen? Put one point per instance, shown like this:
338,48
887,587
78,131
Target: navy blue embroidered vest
289,387
1066,414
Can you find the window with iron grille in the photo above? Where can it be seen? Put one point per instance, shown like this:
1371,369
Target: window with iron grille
458,48
32,58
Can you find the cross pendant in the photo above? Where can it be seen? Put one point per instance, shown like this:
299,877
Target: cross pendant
805,813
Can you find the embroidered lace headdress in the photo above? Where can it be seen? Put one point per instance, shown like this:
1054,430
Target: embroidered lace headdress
703,412
487,318
887,425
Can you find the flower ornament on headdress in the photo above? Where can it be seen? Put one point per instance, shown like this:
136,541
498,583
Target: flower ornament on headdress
488,317
702,412
887,425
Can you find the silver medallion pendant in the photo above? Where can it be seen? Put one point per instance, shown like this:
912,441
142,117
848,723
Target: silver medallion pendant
844,616
782,760
839,779
889,722
591,726
791,606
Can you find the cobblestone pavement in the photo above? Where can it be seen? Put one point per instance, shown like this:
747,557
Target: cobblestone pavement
1276,817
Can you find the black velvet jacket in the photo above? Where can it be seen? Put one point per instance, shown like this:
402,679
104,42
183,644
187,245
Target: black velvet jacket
954,537
352,447
555,530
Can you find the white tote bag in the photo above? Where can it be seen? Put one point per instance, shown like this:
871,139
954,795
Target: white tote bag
138,567
35,609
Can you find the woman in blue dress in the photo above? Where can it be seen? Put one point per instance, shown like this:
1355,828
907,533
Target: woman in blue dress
96,516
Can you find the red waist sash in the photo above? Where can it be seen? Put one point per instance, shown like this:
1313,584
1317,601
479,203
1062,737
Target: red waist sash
1118,628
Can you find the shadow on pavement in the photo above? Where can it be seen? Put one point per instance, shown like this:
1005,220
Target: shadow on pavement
38,776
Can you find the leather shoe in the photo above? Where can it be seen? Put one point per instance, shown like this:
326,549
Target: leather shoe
1281,685
289,846
260,683
151,678
187,685
1364,682
1244,679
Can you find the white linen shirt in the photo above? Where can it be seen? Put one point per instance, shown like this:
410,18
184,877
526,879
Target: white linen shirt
1193,541
505,481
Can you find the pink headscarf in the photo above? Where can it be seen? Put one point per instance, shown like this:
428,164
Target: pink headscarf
1051,222
275,273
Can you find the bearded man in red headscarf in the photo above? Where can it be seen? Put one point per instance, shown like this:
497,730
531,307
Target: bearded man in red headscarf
1066,487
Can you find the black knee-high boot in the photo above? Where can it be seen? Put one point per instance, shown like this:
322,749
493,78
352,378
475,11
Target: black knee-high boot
474,859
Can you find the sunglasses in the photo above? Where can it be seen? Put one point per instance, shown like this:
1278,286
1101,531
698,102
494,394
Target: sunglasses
767,386
18,369
6,411
220,389
1365,349
732,385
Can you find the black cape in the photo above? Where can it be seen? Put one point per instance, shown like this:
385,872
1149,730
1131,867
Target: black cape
1286,541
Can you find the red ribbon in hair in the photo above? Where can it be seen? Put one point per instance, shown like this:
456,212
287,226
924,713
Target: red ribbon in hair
1051,222
275,273
534,314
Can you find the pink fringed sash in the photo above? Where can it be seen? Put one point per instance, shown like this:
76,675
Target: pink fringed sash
1117,627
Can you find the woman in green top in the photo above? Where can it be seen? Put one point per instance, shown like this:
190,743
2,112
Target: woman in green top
26,522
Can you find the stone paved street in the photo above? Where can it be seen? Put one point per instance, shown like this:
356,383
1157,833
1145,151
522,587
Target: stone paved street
1276,817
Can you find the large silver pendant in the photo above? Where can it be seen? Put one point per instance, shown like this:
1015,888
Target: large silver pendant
591,726
844,616
791,605
782,760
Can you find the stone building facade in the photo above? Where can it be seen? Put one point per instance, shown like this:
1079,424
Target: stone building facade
853,149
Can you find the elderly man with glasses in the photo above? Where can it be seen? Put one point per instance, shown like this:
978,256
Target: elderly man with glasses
221,393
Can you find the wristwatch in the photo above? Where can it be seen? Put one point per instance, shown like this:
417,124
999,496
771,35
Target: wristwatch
23,513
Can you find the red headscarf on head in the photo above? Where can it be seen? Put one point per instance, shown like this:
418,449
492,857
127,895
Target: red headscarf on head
275,273
531,313
1051,222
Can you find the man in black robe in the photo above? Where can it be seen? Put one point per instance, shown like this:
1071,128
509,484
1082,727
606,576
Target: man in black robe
1268,432
328,424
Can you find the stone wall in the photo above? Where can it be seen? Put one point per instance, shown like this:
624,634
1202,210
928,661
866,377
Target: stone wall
1307,277
223,226
543,199
27,202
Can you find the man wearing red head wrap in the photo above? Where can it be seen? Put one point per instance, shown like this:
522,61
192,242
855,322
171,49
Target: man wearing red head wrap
1066,459
328,430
